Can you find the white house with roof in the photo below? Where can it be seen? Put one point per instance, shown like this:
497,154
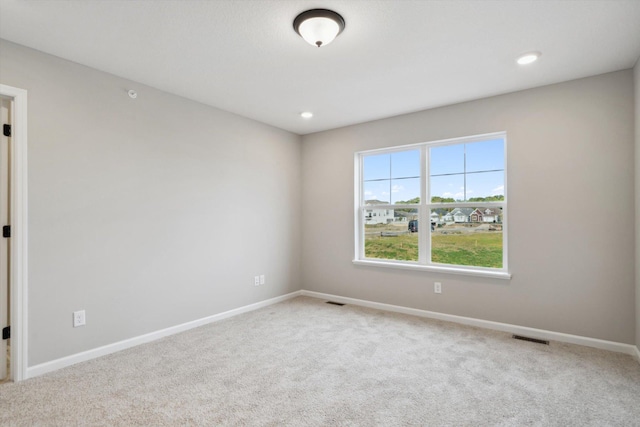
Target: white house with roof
491,215
461,214
377,216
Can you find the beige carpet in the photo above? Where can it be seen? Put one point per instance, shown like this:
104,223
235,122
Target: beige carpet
307,363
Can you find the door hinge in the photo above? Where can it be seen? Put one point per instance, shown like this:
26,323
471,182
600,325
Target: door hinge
6,332
6,130
6,231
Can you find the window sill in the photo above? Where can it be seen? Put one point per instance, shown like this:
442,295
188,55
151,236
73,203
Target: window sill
435,269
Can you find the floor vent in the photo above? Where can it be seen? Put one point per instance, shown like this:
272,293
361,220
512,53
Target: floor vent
535,340
335,303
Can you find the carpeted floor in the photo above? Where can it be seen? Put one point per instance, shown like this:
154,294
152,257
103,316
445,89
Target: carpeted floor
306,363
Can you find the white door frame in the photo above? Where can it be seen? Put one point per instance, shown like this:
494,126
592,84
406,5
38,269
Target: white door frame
18,242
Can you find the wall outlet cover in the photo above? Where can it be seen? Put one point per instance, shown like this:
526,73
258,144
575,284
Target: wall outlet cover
79,318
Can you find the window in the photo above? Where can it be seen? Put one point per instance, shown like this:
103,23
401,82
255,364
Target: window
435,206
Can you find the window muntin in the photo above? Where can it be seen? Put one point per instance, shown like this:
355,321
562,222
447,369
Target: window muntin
461,199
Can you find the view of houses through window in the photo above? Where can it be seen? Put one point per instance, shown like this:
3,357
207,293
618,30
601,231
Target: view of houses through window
462,223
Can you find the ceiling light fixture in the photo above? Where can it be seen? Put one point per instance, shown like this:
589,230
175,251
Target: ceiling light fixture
318,26
528,58
306,114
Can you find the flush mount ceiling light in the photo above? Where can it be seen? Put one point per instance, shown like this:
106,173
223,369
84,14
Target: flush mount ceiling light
318,26
528,58
306,114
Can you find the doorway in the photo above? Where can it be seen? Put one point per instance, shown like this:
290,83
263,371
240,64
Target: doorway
13,241
5,221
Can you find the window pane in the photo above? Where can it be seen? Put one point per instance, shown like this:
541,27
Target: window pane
446,159
485,186
485,156
377,192
405,164
467,236
391,234
377,167
465,171
405,190
447,188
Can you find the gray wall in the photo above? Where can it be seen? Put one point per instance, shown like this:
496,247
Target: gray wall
146,213
153,212
570,162
637,117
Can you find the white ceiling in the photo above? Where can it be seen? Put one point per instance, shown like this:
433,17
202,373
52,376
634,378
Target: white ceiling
394,56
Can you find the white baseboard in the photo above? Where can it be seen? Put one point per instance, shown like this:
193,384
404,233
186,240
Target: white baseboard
43,368
63,362
487,324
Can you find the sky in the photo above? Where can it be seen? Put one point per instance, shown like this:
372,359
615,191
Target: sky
395,177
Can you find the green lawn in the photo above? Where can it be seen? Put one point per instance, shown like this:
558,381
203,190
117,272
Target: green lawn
482,249
477,249
403,247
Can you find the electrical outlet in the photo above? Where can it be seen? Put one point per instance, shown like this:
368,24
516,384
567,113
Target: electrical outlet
262,279
79,318
256,280
437,287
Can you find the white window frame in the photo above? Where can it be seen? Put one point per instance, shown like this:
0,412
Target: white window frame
424,210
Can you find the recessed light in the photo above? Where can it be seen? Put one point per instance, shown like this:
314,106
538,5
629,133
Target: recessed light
306,115
528,58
